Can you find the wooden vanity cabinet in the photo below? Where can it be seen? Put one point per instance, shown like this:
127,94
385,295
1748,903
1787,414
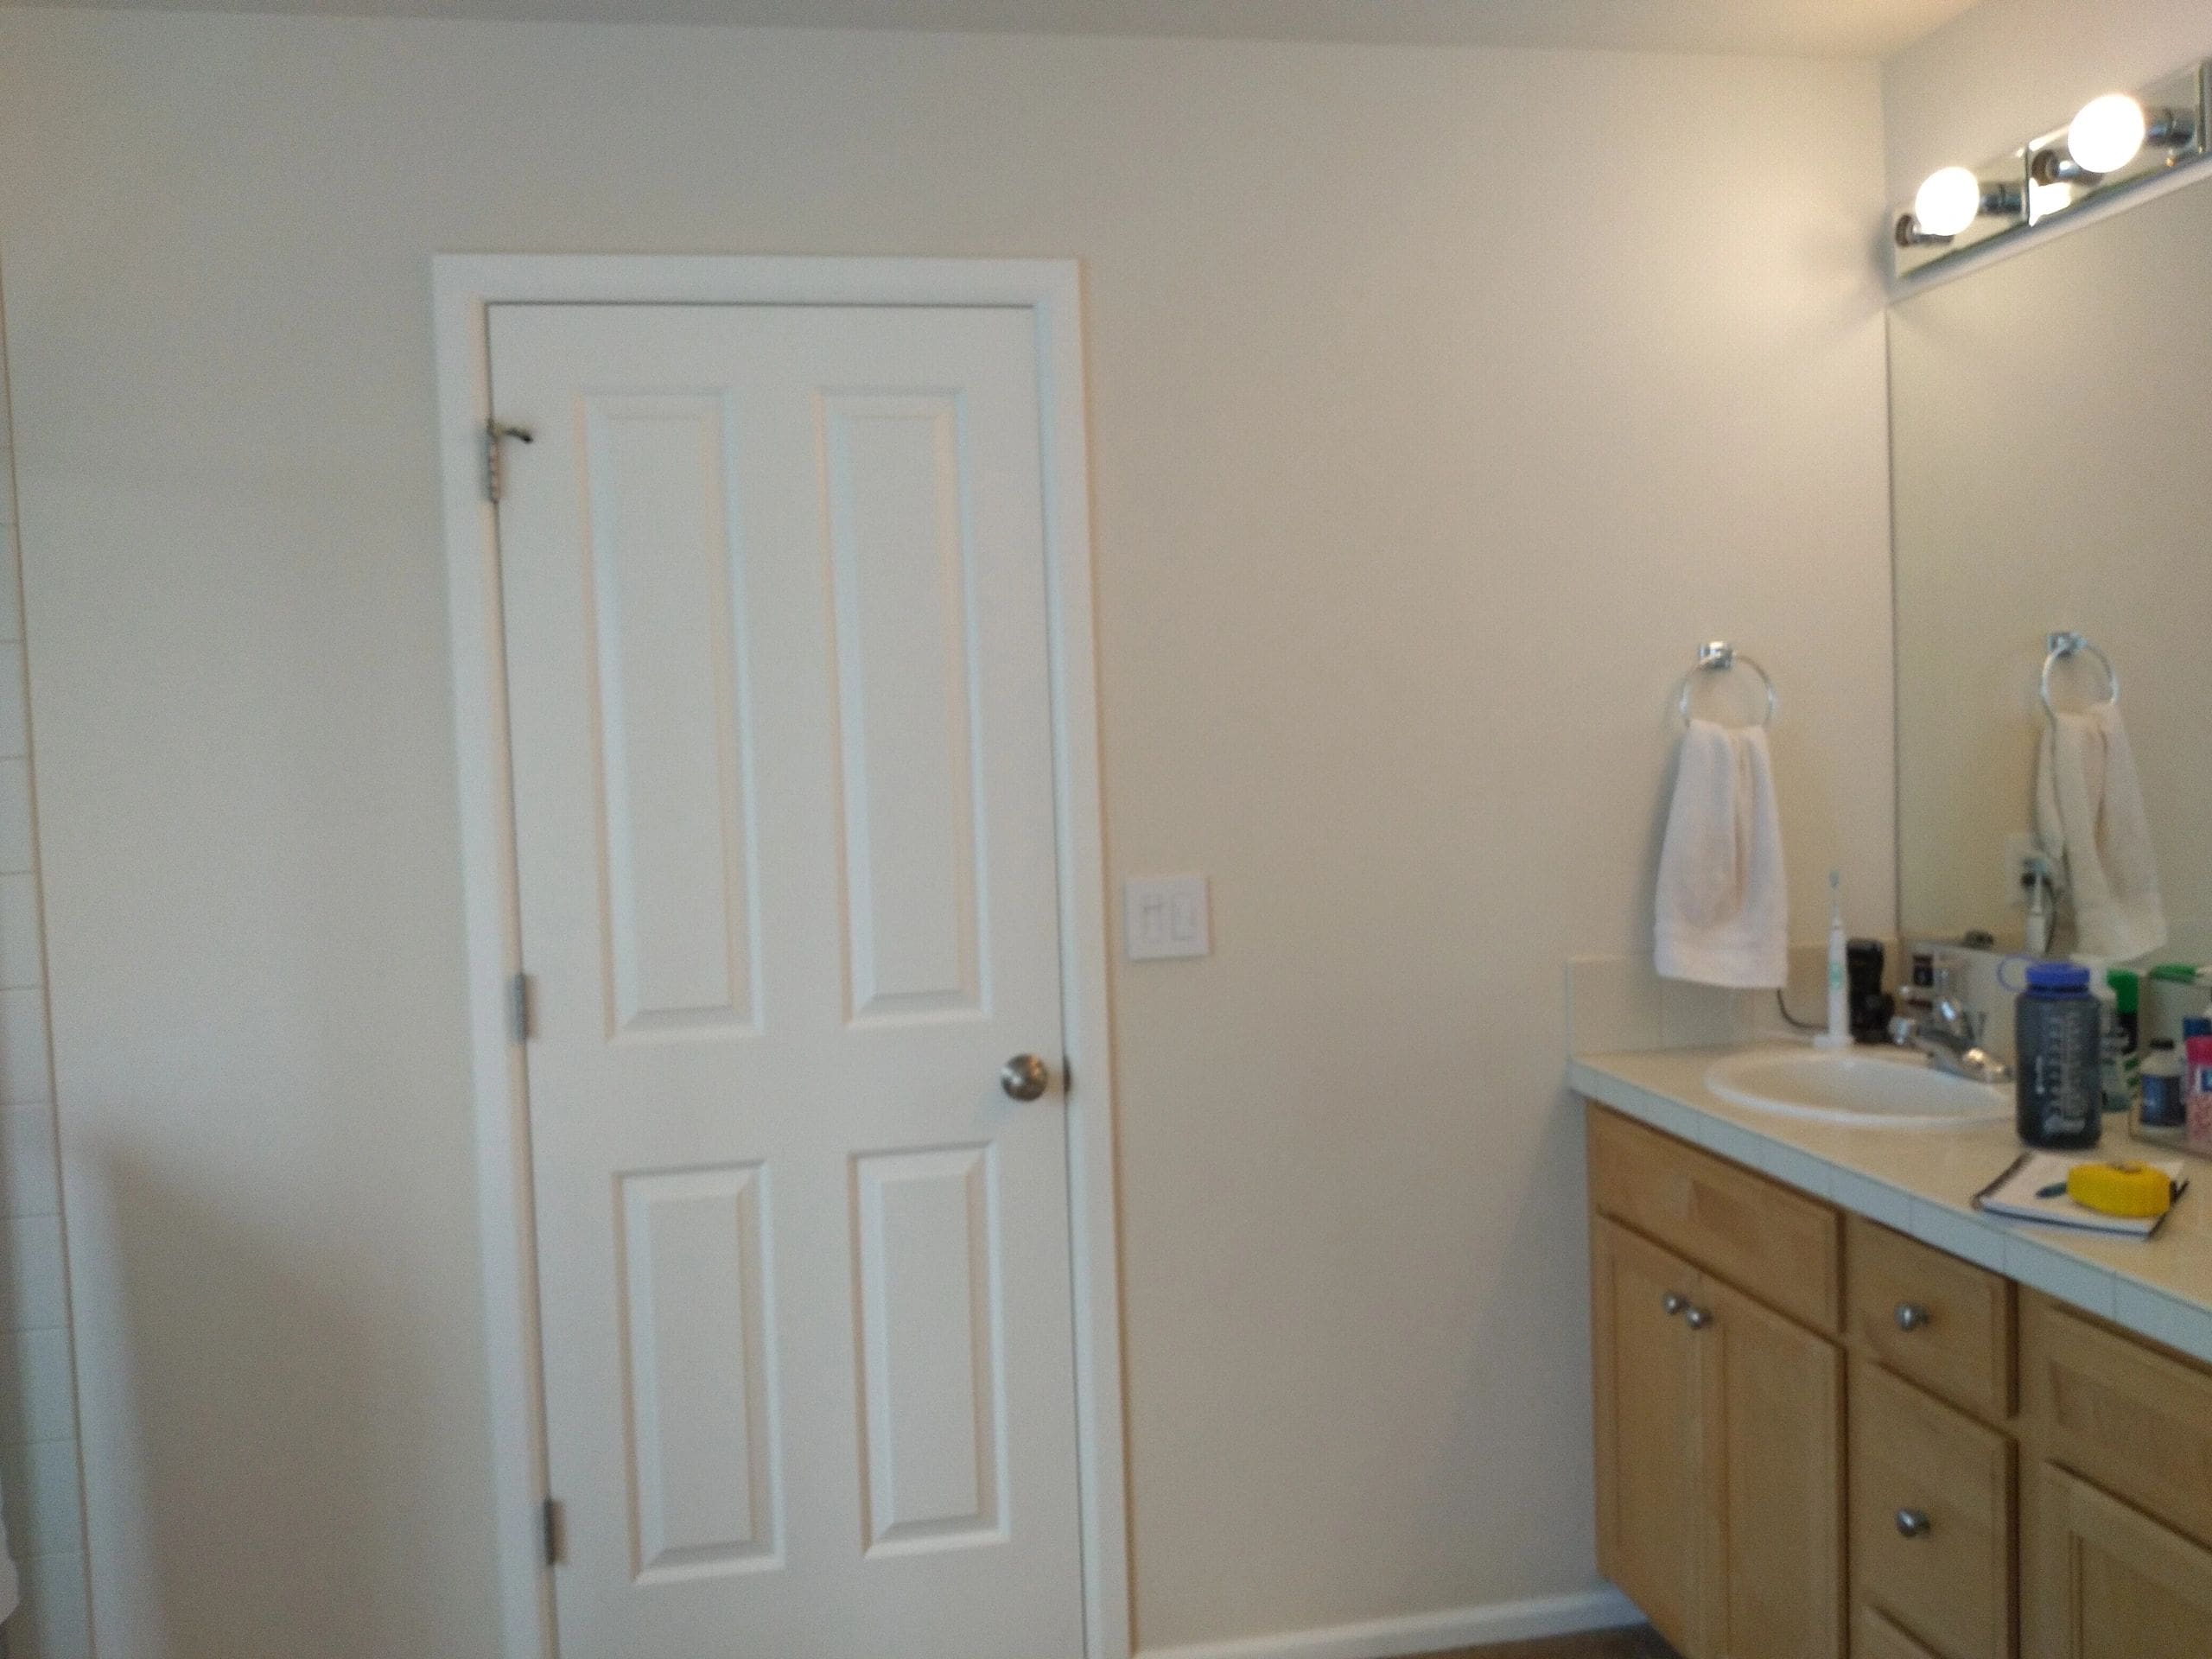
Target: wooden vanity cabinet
1797,1415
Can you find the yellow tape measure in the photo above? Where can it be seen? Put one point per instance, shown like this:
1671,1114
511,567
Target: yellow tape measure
2132,1190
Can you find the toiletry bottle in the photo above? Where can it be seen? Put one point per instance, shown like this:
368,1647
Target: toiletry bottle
1838,1035
2111,1047
2058,1094
2127,998
2163,1105
2197,1081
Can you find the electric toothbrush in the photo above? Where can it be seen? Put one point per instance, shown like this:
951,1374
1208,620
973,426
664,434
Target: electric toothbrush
1838,1035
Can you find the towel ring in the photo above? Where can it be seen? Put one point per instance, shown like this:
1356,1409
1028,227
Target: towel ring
2063,646
1718,657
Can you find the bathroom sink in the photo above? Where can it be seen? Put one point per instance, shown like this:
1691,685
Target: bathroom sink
1863,1089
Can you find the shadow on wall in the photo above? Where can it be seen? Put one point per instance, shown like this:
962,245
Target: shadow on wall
252,1557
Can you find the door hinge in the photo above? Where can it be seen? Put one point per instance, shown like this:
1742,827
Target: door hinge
550,1525
495,472
519,1007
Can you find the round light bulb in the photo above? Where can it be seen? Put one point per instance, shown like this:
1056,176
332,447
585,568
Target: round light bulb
1949,200
2108,133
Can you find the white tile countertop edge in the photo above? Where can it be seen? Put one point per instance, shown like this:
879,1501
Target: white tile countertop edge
2059,1264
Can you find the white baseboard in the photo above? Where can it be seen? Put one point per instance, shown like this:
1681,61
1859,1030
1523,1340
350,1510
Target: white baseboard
1424,1633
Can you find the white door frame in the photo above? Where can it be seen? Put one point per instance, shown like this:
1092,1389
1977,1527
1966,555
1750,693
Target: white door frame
463,286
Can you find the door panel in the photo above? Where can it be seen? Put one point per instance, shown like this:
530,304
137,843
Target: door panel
774,596
1652,1533
1775,1395
692,1250
906,655
2108,1581
678,871
929,1323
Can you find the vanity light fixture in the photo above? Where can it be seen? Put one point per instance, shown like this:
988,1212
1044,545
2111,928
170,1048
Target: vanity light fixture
2109,132
2114,143
1949,200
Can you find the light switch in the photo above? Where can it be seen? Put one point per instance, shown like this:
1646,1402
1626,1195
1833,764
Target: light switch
1166,916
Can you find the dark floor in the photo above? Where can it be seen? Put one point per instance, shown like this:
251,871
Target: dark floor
1641,1642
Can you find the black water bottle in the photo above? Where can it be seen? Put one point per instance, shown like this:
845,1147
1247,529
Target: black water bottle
2059,1032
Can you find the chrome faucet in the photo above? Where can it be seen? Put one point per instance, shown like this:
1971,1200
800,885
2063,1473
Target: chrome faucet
1950,1036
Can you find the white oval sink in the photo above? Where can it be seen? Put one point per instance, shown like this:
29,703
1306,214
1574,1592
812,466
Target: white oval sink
1855,1087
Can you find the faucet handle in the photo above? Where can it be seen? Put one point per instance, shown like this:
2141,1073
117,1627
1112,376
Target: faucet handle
1904,1030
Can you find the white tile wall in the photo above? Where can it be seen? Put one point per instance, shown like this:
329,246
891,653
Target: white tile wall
41,1491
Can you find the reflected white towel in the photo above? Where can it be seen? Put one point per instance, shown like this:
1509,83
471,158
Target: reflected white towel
2089,816
1724,899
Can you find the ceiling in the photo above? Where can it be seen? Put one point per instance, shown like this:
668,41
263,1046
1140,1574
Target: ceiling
1844,28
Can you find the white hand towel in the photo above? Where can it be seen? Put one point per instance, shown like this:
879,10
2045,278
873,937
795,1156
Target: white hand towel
2089,816
1724,900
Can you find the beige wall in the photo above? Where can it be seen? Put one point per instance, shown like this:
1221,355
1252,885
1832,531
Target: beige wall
2006,70
1442,402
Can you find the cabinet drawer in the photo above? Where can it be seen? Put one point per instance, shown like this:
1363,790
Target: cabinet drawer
1931,1516
1783,1249
2130,1418
1942,1322
1874,1637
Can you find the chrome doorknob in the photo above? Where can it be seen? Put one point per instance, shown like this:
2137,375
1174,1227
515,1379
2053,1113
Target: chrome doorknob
1914,1523
1696,1318
1910,1316
1673,1303
1025,1077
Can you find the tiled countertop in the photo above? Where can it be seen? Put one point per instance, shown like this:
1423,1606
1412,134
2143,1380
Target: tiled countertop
1922,1182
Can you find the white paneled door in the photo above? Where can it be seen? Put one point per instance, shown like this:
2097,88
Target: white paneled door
775,613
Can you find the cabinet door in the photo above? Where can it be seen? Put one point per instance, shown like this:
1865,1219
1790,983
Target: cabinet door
2108,1581
1773,1397
1652,1498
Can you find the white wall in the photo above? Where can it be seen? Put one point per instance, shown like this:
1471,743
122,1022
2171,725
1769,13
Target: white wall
2006,70
1442,402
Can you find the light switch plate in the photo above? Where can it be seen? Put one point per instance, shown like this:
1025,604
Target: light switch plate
1166,916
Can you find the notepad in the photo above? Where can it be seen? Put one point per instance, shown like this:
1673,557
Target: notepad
2018,1194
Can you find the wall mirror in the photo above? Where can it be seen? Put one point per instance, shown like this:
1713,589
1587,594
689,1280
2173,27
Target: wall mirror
2051,427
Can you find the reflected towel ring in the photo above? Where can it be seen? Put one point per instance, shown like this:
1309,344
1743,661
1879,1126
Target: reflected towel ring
1718,657
2063,646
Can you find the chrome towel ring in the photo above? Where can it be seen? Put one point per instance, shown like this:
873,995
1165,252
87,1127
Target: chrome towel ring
2063,646
1718,657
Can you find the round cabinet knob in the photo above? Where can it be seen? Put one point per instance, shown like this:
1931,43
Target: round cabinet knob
1913,1524
1673,1303
1025,1077
1696,1318
1910,1316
